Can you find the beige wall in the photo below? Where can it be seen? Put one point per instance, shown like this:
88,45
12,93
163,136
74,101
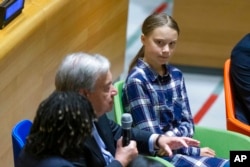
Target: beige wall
33,45
209,30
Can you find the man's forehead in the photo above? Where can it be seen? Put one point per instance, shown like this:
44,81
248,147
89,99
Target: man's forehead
104,80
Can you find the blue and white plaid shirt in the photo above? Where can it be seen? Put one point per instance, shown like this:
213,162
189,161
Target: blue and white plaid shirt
160,104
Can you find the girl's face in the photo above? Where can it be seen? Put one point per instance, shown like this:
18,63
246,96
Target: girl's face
159,45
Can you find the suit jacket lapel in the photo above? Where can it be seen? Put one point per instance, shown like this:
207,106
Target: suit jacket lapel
106,134
93,146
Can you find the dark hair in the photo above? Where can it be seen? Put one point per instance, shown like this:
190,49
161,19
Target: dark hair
142,161
152,22
61,124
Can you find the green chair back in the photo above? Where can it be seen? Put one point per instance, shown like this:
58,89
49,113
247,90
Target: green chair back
222,141
118,106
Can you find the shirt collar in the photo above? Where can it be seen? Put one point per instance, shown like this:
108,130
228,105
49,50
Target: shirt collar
150,73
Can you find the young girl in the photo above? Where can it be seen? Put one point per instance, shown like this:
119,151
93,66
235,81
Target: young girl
155,94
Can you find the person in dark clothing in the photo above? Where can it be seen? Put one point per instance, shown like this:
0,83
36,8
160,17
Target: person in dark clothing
62,123
143,161
240,78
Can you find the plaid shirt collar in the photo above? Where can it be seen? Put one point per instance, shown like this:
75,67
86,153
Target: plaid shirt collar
152,75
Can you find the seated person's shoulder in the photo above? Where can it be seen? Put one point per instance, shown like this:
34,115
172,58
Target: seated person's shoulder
55,162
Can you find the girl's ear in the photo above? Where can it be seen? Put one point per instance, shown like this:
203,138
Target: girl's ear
142,38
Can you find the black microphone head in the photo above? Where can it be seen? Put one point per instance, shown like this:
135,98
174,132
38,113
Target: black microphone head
126,121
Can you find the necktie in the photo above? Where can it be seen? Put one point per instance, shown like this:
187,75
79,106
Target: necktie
106,154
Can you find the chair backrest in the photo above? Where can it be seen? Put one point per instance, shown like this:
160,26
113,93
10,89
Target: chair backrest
118,106
222,141
19,133
233,124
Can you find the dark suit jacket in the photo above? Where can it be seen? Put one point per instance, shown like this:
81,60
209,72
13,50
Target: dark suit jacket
26,160
109,131
240,78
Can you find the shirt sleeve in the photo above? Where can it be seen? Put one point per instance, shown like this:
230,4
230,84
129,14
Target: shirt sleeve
138,103
151,143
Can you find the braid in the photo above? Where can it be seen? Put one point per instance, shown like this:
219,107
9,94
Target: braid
62,123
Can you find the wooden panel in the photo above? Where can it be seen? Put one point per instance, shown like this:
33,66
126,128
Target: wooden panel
33,45
209,30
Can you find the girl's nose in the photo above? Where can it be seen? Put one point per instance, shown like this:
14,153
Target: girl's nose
165,48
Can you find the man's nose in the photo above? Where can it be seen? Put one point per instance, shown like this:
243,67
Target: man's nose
114,91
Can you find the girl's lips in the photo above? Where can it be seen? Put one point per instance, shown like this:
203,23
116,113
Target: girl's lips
164,57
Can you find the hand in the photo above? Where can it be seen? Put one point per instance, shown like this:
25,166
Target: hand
206,151
161,152
172,143
125,154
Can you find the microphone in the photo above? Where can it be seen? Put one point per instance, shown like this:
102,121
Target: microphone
126,128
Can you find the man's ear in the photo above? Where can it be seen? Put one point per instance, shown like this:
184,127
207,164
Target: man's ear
83,92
